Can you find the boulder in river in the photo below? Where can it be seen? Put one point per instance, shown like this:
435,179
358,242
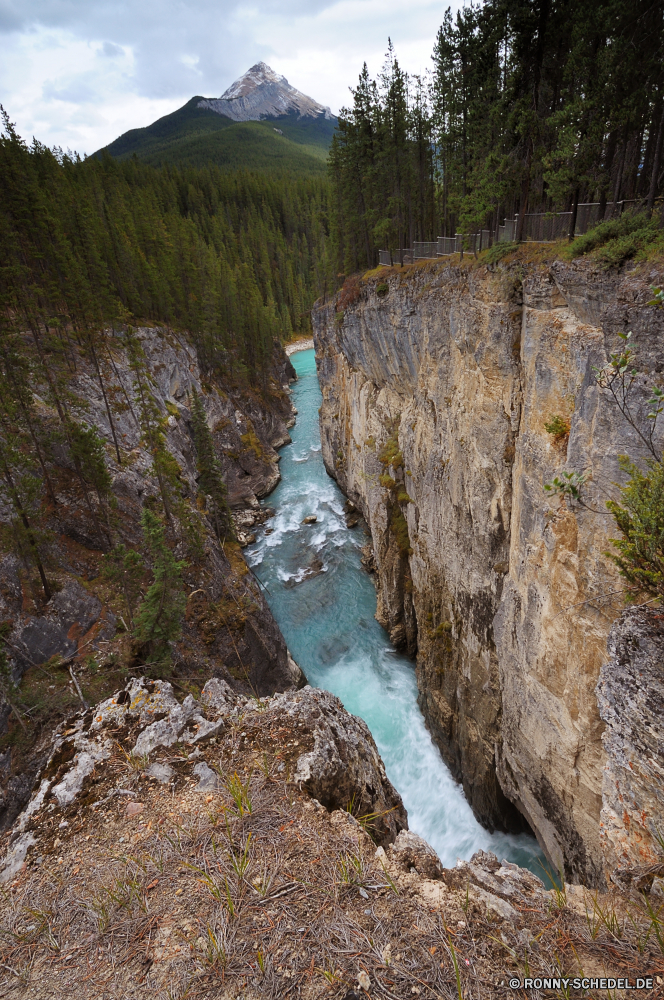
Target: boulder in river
309,519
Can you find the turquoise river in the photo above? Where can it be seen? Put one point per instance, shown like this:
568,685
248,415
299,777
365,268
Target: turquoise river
325,603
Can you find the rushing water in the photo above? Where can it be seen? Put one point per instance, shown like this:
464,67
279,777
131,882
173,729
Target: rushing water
325,603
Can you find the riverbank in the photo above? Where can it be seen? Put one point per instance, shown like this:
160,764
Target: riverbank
299,345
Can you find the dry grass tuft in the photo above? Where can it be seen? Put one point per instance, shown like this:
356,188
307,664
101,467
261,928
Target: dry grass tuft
249,889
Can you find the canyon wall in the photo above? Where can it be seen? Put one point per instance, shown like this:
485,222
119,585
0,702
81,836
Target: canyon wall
82,635
437,383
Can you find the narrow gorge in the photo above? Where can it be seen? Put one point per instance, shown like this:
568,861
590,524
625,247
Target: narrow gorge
437,383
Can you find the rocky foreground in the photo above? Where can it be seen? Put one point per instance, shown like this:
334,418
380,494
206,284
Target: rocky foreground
233,846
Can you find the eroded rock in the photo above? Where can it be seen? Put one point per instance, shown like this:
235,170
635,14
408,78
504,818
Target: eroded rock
344,769
411,851
630,693
435,400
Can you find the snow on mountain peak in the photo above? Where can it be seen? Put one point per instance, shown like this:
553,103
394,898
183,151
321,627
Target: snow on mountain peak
261,93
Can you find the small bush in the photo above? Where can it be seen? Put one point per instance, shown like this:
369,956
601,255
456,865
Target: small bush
640,518
251,442
399,528
382,290
557,426
350,292
617,240
498,251
390,454
441,630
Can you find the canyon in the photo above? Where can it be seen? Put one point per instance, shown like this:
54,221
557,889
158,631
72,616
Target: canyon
438,381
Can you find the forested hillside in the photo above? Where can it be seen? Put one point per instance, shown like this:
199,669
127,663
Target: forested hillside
531,106
195,136
141,404
235,259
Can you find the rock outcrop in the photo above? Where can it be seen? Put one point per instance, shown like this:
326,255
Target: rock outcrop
334,759
437,383
205,863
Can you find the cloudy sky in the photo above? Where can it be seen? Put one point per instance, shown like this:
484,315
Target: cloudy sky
78,73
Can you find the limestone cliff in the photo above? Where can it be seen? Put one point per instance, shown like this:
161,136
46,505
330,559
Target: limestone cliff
437,382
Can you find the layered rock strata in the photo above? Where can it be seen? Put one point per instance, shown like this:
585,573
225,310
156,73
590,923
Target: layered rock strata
630,693
437,384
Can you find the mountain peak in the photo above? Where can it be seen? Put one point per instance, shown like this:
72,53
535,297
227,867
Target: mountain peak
261,93
255,77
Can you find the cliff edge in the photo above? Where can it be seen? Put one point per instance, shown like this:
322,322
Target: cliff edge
437,383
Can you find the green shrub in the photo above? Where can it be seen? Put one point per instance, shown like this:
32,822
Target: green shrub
498,251
441,630
399,528
640,517
557,426
390,454
617,240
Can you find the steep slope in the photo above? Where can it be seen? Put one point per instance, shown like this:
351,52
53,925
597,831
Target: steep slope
437,383
260,122
77,646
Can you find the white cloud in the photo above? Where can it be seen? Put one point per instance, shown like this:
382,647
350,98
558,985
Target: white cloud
78,73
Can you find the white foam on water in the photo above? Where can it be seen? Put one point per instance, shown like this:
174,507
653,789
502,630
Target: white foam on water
327,620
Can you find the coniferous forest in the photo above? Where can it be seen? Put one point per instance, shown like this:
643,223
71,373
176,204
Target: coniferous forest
234,258
530,106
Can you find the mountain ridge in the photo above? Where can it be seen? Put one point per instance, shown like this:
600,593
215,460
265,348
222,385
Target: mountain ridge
261,93
259,123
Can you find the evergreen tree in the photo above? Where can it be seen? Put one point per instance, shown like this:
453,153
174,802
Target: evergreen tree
125,568
153,426
159,618
533,106
21,489
210,482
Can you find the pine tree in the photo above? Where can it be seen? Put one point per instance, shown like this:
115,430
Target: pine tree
125,568
153,425
210,482
159,618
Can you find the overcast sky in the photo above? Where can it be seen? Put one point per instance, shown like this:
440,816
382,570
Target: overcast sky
78,73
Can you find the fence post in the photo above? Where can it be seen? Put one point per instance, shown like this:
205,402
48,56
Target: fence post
575,212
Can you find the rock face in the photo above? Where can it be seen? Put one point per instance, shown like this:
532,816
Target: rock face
435,397
343,770
630,693
246,434
261,93
228,628
335,758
